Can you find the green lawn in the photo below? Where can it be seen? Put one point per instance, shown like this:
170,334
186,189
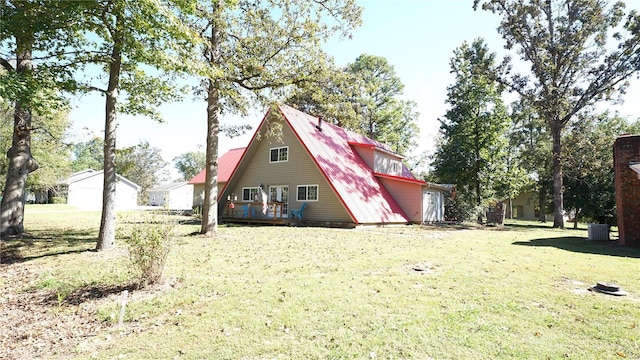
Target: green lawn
513,292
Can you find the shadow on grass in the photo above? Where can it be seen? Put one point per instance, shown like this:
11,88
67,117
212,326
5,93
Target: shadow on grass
529,225
41,244
87,293
581,245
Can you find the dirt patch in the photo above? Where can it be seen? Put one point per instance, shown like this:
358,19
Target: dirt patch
44,325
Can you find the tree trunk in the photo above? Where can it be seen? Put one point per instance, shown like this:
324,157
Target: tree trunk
542,202
476,154
21,163
107,237
210,204
558,203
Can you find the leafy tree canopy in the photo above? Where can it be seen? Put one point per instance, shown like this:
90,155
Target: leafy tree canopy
472,148
255,51
190,164
589,174
143,164
579,52
363,97
88,155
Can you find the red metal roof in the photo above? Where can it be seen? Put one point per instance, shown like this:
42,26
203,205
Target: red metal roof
226,164
364,197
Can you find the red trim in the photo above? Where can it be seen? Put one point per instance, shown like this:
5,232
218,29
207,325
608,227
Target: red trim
255,134
365,145
376,148
400,178
335,191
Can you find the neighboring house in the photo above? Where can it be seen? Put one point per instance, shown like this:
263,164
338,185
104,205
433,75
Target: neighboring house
84,190
524,206
343,177
174,196
226,164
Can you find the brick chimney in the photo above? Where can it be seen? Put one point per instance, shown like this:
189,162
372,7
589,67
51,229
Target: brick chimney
626,150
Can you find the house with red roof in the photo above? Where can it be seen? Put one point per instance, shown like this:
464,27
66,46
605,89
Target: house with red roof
226,164
298,167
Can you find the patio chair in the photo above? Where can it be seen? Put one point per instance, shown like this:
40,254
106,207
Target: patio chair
298,212
246,209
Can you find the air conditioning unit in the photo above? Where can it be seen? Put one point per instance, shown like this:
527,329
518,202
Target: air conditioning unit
598,232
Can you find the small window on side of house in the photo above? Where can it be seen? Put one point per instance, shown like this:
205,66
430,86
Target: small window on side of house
279,154
396,167
307,193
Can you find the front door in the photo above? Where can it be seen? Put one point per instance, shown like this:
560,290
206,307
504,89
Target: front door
279,193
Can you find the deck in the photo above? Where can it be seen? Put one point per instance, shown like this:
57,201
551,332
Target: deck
251,213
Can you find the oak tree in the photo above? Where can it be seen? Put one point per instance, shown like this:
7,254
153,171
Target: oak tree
141,44
579,51
589,177
255,50
35,67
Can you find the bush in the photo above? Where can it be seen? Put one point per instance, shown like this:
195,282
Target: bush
148,237
58,200
197,211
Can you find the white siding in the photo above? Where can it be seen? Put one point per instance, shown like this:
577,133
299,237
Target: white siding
432,205
87,193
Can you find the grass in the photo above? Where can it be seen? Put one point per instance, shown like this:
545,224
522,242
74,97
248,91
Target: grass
515,292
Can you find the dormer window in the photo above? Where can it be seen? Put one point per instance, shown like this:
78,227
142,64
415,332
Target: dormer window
279,154
396,167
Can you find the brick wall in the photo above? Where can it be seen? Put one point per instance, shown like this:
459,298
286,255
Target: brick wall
627,149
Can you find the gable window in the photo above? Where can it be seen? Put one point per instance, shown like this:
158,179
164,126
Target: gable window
279,154
251,194
308,193
396,167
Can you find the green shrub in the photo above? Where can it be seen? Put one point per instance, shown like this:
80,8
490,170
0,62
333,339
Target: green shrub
197,212
58,200
148,237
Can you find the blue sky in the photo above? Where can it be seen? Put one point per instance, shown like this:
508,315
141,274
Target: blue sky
417,37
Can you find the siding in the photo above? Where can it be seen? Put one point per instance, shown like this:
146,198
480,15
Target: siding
198,194
300,169
366,153
384,164
87,194
408,196
527,202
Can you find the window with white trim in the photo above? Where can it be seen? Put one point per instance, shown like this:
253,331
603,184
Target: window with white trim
396,167
279,154
307,192
251,194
